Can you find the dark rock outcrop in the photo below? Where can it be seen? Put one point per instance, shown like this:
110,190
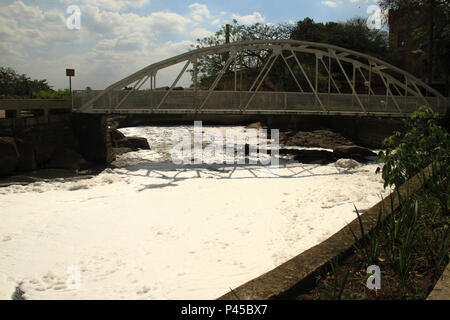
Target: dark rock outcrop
357,153
9,156
134,143
313,139
314,156
116,136
120,141
67,159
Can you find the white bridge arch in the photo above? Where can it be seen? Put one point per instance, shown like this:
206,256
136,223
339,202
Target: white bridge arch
402,92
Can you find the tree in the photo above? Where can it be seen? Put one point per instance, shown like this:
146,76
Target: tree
12,83
429,20
353,34
247,61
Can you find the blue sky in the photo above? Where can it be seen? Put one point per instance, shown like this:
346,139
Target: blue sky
118,37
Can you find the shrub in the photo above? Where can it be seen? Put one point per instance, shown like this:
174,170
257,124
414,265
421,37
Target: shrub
51,94
423,142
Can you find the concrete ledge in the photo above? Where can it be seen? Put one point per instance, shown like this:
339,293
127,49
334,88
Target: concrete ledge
300,272
442,289
31,104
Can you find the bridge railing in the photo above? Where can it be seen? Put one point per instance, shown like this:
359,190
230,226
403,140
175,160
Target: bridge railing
202,101
12,108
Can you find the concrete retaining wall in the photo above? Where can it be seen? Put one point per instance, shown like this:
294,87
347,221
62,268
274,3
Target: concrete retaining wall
299,273
40,139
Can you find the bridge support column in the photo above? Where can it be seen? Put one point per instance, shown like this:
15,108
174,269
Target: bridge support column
93,136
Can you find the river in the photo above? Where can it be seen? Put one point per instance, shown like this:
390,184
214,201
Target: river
147,228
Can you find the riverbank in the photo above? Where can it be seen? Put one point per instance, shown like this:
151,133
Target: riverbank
49,175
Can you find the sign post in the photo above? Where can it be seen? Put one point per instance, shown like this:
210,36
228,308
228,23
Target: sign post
70,73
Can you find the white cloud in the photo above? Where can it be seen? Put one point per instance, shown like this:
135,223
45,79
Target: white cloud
199,12
104,22
253,18
109,46
200,33
220,19
113,42
24,25
110,5
330,4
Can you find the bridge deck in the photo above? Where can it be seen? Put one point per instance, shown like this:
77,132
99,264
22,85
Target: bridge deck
244,102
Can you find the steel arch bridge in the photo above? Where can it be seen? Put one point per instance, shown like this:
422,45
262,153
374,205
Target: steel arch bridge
362,76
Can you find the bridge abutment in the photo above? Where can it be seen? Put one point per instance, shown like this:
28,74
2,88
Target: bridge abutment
57,141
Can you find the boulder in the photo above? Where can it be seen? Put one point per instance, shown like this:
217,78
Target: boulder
67,159
347,164
314,156
134,143
314,139
116,136
27,158
357,153
285,136
256,125
9,156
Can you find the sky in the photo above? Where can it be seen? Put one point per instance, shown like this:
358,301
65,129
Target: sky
116,38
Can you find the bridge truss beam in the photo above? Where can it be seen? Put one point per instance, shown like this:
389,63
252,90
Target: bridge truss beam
402,90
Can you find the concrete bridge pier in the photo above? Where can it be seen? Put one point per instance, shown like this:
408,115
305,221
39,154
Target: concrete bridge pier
91,131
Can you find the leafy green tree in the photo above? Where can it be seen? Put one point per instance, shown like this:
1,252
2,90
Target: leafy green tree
423,142
12,83
353,34
247,61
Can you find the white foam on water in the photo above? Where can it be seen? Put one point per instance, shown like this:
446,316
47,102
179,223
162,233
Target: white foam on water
150,229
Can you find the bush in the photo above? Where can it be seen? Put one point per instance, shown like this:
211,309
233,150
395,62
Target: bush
51,94
424,142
